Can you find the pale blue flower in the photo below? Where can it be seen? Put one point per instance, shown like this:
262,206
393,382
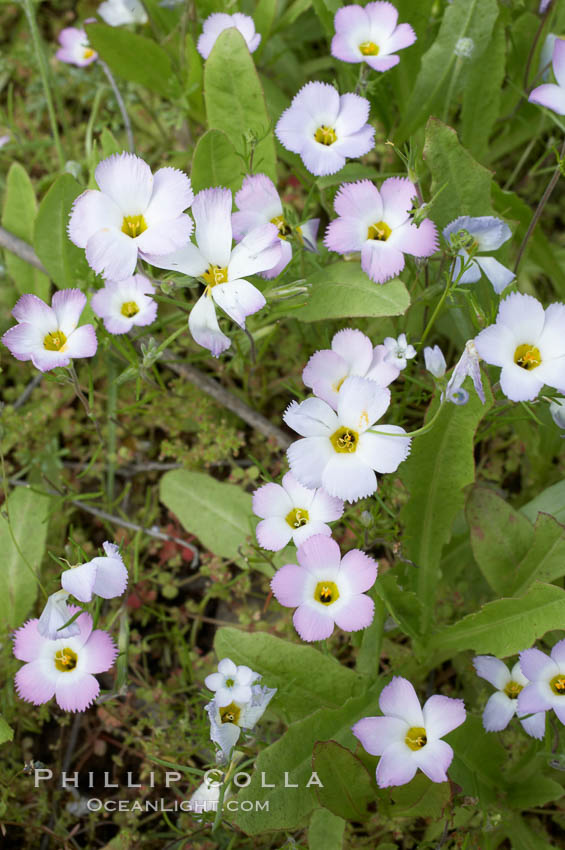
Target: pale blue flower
435,361
479,235
468,365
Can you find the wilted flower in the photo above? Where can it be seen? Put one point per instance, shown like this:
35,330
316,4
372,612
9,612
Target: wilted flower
326,589
470,235
258,203
49,336
467,366
399,351
550,95
378,224
75,49
408,737
324,127
54,616
502,705
340,451
135,213
106,577
220,21
292,511
352,353
370,34
119,12
546,688
435,361
123,304
231,683
222,269
528,343
62,668
226,722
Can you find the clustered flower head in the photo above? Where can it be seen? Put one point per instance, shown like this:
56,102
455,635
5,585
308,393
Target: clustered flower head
370,34
377,223
292,511
528,343
258,203
220,21
408,737
468,236
326,589
75,49
239,703
325,128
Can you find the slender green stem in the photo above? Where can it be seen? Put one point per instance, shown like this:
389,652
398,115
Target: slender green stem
120,102
437,310
112,406
451,89
44,74
418,433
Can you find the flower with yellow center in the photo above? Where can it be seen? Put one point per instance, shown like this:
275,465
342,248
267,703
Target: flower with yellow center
227,721
125,304
545,689
502,706
370,34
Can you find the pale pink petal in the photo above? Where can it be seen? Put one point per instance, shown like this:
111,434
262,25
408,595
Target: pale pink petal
311,417
92,211
345,235
82,342
398,195
319,553
421,241
188,260
68,305
382,18
290,585
384,454
381,260
308,458
356,614
535,725
204,327
76,693
164,237
300,535
399,699
325,507
493,670
535,665
31,309
353,114
442,715
321,160
127,179
558,61
172,194
403,36
396,767
79,581
111,253
290,128
382,62
558,651
273,533
358,570
238,299
299,495
348,477
496,344
355,348
258,194
28,643
355,144
361,403
498,712
100,652
324,373
34,683
434,760
312,624
378,733
285,256
518,384
111,577
532,699
271,500
523,315
212,213
47,360
382,370
359,200
550,96
258,250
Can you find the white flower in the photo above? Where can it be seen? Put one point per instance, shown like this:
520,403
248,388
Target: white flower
231,683
546,687
528,343
106,577
123,304
220,21
399,351
206,797
227,722
222,269
341,451
119,12
135,213
503,705
557,410
55,614
435,361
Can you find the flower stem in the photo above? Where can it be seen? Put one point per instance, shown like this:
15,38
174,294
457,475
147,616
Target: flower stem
44,74
540,207
83,400
120,102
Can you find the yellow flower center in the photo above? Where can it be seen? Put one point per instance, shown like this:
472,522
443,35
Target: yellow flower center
369,48
133,225
379,231
557,685
215,274
230,713
55,341
416,738
88,53
129,309
326,592
283,227
527,356
297,518
325,135
512,689
65,660
344,440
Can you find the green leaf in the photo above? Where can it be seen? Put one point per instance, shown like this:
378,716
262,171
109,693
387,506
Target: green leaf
468,182
291,754
545,560
347,790
481,96
305,679
421,798
18,589
500,537
65,262
523,838
6,731
219,514
263,17
403,605
18,216
215,163
235,102
441,464
325,10
343,290
442,73
325,831
549,501
539,791
135,58
109,143
503,627
478,762
194,79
